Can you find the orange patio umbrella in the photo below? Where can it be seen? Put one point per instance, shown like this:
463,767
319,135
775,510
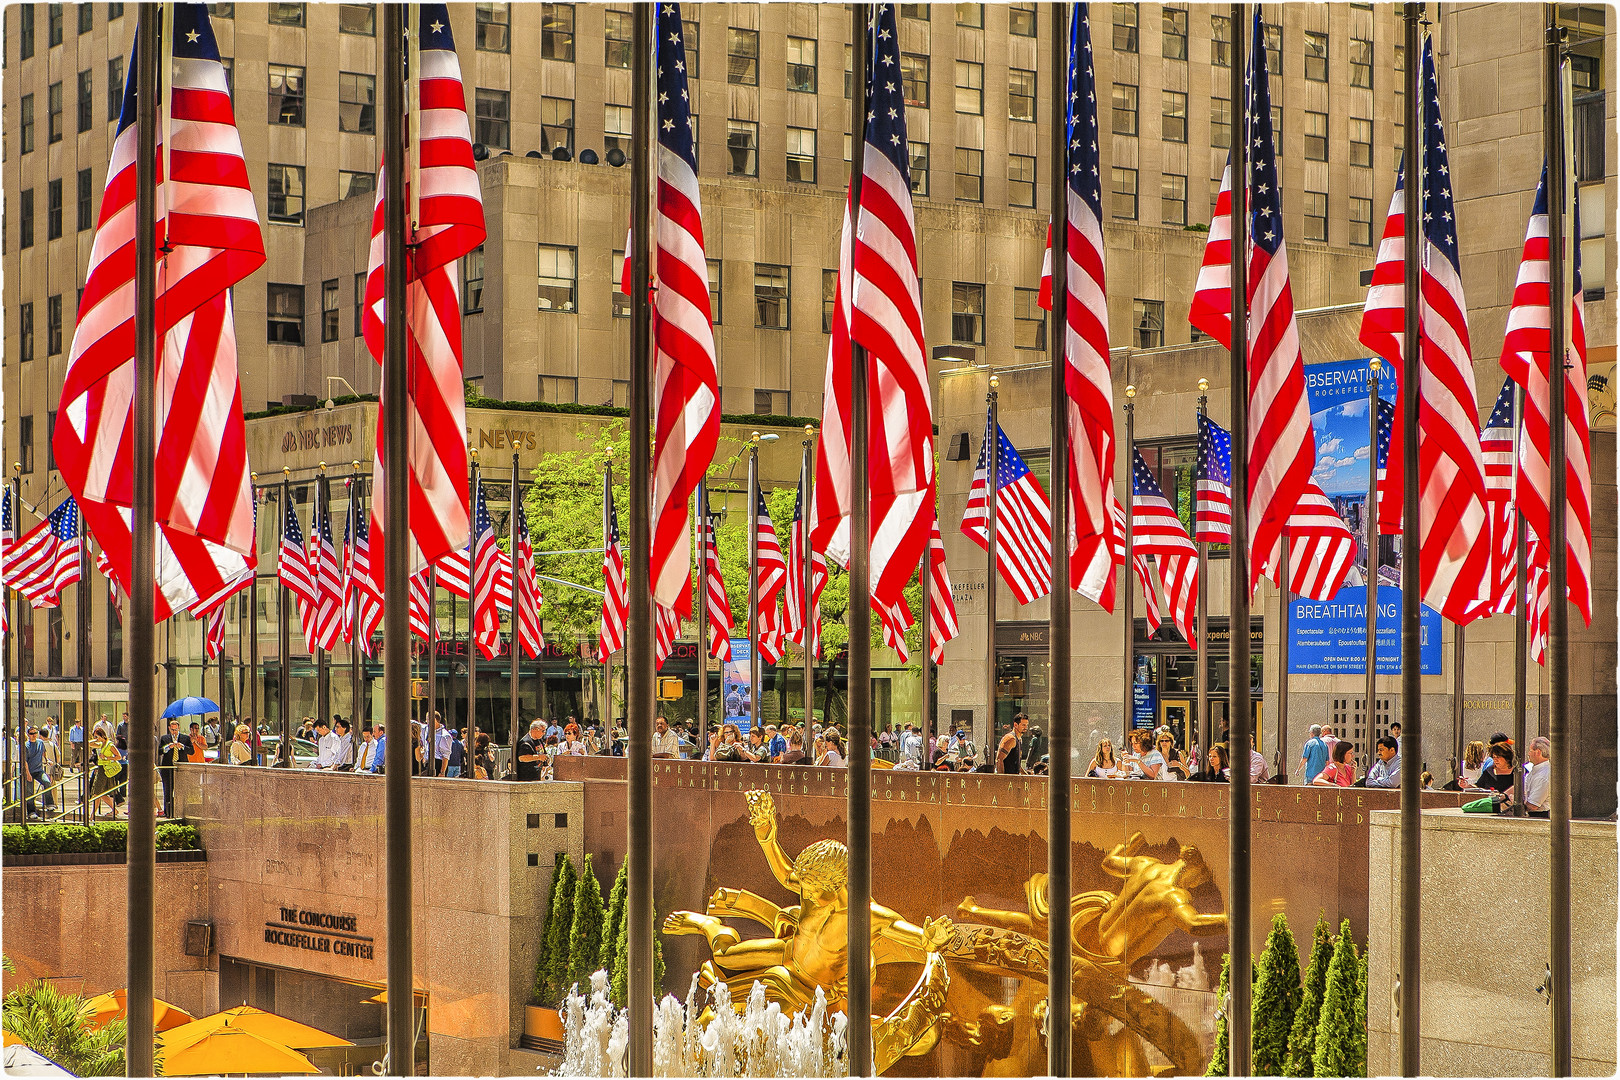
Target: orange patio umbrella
105,1008
232,1049
277,1029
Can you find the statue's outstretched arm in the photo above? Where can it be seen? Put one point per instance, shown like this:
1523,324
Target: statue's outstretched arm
762,816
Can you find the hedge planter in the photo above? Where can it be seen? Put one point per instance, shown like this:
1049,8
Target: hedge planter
102,838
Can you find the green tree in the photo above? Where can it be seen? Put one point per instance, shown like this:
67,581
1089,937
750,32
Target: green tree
1276,999
585,938
57,1025
619,977
1359,1030
1336,1037
1218,1065
1302,1037
615,917
552,967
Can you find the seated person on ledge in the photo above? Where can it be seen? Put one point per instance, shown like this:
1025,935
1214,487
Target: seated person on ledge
1341,771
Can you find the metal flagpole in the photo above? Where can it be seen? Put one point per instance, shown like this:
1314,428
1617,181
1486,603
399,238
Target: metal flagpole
1128,608
1205,736
806,555
513,715
1286,601
1373,557
355,704
254,717
284,632
14,750
859,787
323,671
84,668
1408,1001
472,644
142,857
700,521
433,644
607,665
992,465
1458,658
1521,606
1059,854
1558,137
753,582
639,642
1239,931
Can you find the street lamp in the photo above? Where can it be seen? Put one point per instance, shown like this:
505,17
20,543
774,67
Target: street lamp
330,379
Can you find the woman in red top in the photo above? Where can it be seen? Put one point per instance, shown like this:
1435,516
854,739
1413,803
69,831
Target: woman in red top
1342,771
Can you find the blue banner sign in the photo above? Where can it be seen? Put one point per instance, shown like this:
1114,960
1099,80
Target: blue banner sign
1331,638
1145,706
736,696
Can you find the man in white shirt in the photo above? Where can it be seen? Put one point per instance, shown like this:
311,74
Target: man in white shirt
327,747
1538,781
345,738
911,745
666,744
366,756
441,743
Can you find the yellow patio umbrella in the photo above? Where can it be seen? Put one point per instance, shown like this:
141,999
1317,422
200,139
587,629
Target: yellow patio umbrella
105,1008
11,1040
277,1029
232,1049
381,998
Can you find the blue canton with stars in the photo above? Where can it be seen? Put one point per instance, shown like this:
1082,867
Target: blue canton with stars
674,105
65,521
1502,414
886,96
1010,467
194,34
1214,453
1386,430
291,534
325,518
481,522
1085,178
435,27
1265,201
612,523
1573,224
1439,211
1143,484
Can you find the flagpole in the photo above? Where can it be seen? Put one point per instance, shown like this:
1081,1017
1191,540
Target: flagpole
1408,1003
1205,739
1559,273
354,613
607,665
473,496
14,751
1373,557
859,786
700,521
1286,598
992,467
1458,658
639,652
1521,610
1239,931
806,557
284,672
142,860
433,644
1059,825
753,582
253,630
513,717
323,671
84,667
1128,609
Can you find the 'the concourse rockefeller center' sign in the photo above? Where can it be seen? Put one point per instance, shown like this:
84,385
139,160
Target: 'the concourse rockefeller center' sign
1330,637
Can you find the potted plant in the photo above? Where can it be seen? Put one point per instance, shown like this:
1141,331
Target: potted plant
541,1018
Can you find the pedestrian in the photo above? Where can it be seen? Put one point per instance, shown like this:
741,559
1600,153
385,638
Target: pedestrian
571,745
1499,777
1473,763
442,738
34,758
531,752
345,755
1219,769
483,758
755,750
665,744
1538,782
326,747
379,752
794,755
199,746
832,754
775,743
1008,759
1145,762
1103,765
105,758
172,748
368,748
76,743
241,746
728,744
457,757
1314,757
1341,771
1386,771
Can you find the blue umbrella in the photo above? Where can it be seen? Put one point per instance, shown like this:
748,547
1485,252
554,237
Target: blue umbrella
190,706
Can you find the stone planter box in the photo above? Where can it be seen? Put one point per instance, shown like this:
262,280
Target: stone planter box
542,1029
96,858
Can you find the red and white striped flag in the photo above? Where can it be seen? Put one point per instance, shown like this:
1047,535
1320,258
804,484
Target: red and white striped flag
666,628
114,593
879,306
486,615
1525,350
46,559
772,630
1453,534
360,599
293,570
1088,380
794,602
1496,450
896,621
942,624
1321,547
1212,479
8,539
615,586
450,223
455,576
1158,533
209,240
1281,446
326,574
770,583
714,591
213,622
530,631
422,615
1023,519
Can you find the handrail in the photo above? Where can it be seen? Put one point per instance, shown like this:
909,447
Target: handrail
69,776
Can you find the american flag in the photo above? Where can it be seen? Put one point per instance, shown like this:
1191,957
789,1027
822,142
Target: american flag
114,594
450,223
1088,379
486,615
1453,537
1158,533
714,591
818,576
615,587
360,598
46,559
324,570
8,539
1496,449
1023,520
1212,478
292,569
422,613
942,625
1383,323
879,307
209,240
666,628
1281,446
772,630
213,622
456,579
1322,549
896,621
771,582
1525,351
530,632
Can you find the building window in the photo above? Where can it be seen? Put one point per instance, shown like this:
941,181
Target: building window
559,277
472,281
84,102
1220,123
329,310
286,14
115,88
357,103
115,638
53,634
1020,95
25,31
689,42
771,403
801,155
616,130
1125,102
1147,323
1361,222
1173,200
713,268
53,16
286,191
1127,18
1021,20
53,114
1220,48
621,302
493,27
25,108
914,79
556,31
221,11
1020,180
1361,143
25,443
742,140
25,332
357,19
1361,63
1124,188
829,300
25,210
967,313
53,210
1316,136
559,390
969,174
359,303
53,325
355,183
770,296
556,123
1272,35
970,15
1173,116
1276,125
85,213
284,314
919,168
618,38
742,57
1174,45
801,65
969,88
493,113
1316,56
1316,216
286,95
920,12
1029,321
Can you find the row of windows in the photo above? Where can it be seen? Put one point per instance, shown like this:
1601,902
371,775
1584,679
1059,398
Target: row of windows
1173,44
1126,192
54,24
